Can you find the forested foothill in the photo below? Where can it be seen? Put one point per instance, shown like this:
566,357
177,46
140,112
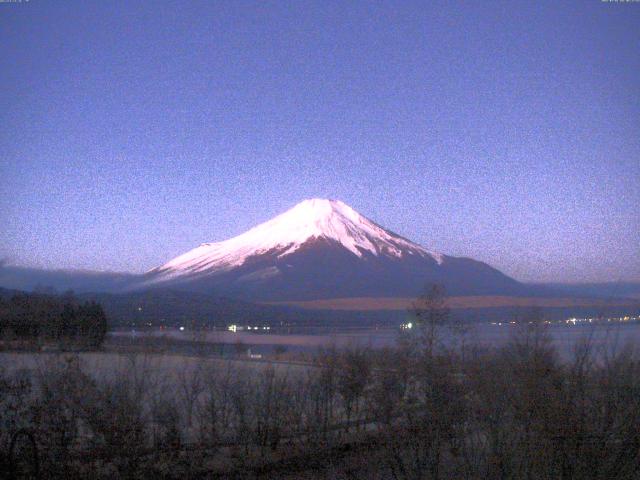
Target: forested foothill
45,321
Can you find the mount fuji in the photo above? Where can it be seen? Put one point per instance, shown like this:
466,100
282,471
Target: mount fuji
322,249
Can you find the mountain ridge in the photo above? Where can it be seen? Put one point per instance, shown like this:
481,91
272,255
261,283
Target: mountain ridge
321,249
308,220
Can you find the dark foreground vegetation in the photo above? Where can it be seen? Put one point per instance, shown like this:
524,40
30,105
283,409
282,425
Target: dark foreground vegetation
422,410
29,321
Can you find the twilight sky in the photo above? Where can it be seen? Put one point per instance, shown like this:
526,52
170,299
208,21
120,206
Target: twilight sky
132,131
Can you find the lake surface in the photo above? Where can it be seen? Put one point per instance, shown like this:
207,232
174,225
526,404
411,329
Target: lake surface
565,337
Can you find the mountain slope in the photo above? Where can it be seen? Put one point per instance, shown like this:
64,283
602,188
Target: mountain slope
324,249
310,220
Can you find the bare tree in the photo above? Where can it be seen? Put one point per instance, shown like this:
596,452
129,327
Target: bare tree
353,377
190,387
431,313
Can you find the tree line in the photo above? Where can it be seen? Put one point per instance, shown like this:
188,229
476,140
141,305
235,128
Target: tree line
434,406
61,320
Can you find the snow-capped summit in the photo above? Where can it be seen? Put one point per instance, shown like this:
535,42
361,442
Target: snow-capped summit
316,249
335,220
311,219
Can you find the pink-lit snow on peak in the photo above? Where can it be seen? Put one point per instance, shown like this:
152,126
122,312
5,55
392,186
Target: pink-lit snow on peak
311,219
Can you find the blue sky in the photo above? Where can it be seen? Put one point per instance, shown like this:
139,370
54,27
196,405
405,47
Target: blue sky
504,131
